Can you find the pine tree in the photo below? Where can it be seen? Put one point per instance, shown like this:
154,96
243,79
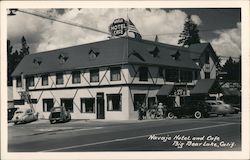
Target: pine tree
25,48
190,33
14,58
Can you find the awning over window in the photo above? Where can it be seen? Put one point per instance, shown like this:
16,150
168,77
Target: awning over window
206,86
165,90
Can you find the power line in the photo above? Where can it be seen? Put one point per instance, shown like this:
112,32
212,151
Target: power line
61,21
174,33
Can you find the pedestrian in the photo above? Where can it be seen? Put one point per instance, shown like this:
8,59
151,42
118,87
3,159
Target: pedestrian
160,110
139,106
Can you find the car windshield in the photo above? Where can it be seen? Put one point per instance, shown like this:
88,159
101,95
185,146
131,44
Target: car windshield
56,109
19,111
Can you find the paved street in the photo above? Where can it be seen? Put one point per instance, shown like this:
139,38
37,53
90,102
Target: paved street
209,134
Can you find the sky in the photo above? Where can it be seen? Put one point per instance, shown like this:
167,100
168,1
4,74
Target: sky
220,27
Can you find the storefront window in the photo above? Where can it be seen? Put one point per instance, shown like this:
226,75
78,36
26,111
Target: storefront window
139,99
87,105
115,74
76,78
114,102
94,75
59,78
47,105
67,103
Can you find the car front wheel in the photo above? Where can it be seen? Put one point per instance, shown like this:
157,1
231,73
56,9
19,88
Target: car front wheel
170,115
197,114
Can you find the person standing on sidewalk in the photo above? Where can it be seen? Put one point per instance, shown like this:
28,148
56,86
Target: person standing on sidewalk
139,106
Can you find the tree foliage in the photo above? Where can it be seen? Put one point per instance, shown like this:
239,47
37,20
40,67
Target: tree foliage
232,70
190,33
13,58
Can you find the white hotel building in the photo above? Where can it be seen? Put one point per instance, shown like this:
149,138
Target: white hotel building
103,80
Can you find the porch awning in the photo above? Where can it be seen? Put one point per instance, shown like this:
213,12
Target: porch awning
206,86
165,90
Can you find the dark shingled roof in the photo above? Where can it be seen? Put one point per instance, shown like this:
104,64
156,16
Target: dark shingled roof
109,52
197,49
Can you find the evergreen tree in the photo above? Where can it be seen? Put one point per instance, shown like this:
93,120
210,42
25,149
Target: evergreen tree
233,70
25,48
190,33
14,58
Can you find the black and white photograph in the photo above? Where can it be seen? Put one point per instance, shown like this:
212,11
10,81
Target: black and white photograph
135,81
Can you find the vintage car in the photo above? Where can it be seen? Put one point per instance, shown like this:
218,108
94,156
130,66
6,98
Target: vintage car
220,108
59,114
11,112
196,109
24,116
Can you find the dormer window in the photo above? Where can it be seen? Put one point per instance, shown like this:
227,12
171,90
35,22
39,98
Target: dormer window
63,58
155,52
176,55
37,61
93,54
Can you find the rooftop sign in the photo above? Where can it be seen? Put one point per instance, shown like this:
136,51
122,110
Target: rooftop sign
118,27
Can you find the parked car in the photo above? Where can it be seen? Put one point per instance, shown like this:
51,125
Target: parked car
197,109
220,108
11,112
25,116
59,114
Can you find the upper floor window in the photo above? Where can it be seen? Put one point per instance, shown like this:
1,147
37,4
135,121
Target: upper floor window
76,77
186,76
30,81
94,75
45,80
115,74
143,73
207,58
160,72
18,81
59,78
171,75
207,75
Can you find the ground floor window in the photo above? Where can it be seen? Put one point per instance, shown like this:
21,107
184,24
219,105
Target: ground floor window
114,102
47,105
151,102
139,99
87,105
67,103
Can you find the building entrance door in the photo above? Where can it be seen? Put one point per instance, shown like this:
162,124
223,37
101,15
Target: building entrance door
100,114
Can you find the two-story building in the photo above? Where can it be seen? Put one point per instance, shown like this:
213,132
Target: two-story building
104,80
